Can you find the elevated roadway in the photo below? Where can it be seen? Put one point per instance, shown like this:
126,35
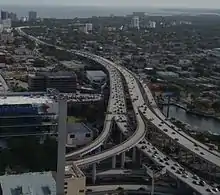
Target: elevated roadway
172,167
139,134
116,104
176,134
116,107
136,188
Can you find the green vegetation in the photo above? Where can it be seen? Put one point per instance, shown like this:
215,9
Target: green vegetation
27,154
73,119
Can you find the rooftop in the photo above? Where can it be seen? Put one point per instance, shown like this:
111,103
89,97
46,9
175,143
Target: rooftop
41,183
18,100
96,73
77,128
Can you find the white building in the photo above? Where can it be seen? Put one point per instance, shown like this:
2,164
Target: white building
152,24
7,36
88,27
1,28
78,134
135,23
96,77
6,23
40,183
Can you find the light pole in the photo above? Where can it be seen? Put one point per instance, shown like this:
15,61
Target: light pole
62,117
152,185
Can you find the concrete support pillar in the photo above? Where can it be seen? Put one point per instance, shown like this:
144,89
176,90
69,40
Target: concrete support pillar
113,162
134,154
94,173
140,158
121,138
61,147
99,149
122,160
178,185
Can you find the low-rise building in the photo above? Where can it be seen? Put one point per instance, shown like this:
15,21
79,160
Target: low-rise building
41,183
96,77
62,81
75,181
78,134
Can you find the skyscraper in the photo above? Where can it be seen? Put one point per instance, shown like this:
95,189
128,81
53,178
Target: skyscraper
135,23
13,16
32,16
4,15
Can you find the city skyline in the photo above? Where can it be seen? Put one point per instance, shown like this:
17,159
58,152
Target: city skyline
123,3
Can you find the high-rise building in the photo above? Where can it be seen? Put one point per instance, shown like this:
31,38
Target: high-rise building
88,27
4,15
152,24
135,23
13,16
32,16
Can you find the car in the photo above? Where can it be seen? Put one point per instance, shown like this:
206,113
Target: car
143,147
173,168
154,156
202,183
166,159
210,190
215,190
167,163
196,145
119,189
195,182
141,189
176,139
89,190
201,153
197,149
173,133
185,175
161,160
175,164
165,130
178,172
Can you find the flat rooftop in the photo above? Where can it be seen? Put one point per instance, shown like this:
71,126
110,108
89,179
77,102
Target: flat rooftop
40,183
77,128
96,73
19,100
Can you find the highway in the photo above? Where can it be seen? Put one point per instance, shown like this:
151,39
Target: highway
116,107
142,112
141,188
176,134
116,104
174,169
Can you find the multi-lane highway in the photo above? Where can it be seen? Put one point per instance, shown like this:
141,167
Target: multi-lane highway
143,111
116,107
176,134
132,188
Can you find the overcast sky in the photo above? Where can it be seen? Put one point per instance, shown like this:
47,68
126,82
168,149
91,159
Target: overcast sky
156,3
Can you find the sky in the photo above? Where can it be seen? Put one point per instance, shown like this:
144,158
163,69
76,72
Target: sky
152,3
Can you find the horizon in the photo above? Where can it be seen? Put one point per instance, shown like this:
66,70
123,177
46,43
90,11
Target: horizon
114,4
